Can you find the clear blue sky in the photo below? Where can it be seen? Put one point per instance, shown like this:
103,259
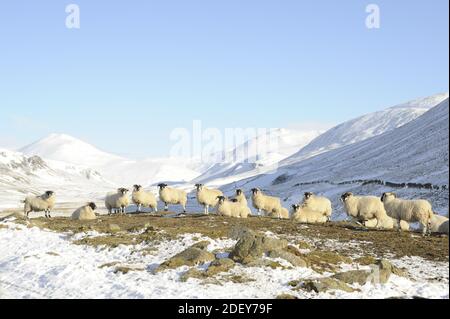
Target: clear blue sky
137,69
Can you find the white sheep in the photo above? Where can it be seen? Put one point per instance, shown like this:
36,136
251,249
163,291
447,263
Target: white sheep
411,211
280,213
86,212
265,203
142,198
117,201
307,216
318,203
364,208
231,209
172,196
207,197
43,203
240,197
387,223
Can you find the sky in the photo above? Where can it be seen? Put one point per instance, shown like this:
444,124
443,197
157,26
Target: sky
136,70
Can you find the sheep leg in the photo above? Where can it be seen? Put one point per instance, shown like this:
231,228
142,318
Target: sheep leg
166,207
138,208
206,209
48,212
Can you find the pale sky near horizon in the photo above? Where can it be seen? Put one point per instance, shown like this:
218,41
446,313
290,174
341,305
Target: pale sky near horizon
136,70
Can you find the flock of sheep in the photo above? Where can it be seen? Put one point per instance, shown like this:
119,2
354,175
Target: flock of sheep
389,212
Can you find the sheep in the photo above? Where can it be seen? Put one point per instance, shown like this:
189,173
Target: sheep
231,209
265,203
412,211
318,203
43,203
280,213
207,197
142,198
439,224
117,201
364,208
307,215
387,223
172,196
240,197
86,212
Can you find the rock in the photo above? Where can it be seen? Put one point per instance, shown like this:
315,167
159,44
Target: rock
202,245
325,261
355,277
192,273
252,246
325,284
296,261
114,228
380,273
219,266
190,257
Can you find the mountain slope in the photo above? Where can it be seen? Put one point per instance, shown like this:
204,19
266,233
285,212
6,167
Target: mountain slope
257,155
414,153
367,126
65,148
21,175
71,151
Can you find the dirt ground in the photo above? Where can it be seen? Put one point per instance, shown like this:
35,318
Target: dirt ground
351,238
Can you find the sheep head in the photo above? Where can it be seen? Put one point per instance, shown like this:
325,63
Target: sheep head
256,191
162,186
308,195
239,192
387,196
221,199
199,187
123,191
296,208
346,196
92,206
49,194
137,188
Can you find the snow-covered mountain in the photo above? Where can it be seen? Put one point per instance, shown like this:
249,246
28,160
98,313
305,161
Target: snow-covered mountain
259,154
122,171
366,126
410,159
21,175
65,148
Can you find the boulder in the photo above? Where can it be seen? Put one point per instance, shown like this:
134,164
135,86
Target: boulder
252,246
296,261
192,256
325,284
219,266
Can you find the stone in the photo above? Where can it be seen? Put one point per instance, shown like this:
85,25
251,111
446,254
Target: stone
190,257
296,261
219,266
202,245
252,246
325,284
113,228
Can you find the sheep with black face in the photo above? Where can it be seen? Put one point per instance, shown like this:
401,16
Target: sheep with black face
207,197
117,201
141,198
42,203
172,196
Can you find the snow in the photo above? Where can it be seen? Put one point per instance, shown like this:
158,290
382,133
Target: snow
416,152
63,148
367,126
44,264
